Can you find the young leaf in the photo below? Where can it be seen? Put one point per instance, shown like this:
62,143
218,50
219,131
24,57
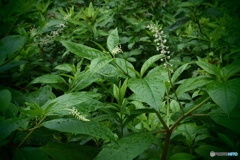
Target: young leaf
69,151
150,89
225,94
230,70
82,50
113,40
75,126
193,83
149,62
5,100
127,148
9,125
49,78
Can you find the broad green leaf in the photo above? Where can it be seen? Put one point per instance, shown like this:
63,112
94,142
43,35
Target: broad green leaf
67,151
82,50
204,150
226,140
30,153
230,70
66,67
124,67
40,96
68,100
126,148
225,94
193,83
149,62
208,67
99,63
84,80
182,156
5,100
178,24
49,78
150,89
9,125
9,45
178,72
113,40
75,126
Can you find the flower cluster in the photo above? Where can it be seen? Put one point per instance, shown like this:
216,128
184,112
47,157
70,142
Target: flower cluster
160,40
117,50
76,114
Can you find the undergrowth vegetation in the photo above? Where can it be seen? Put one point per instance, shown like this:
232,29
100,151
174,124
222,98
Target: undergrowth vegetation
119,80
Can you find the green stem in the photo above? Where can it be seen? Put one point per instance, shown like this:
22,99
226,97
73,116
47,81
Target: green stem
169,132
31,131
161,119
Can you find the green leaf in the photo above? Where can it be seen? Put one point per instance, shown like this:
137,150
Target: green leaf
9,125
230,70
68,100
150,89
193,83
75,126
9,45
49,78
30,153
40,96
99,63
178,24
126,148
178,72
66,67
124,67
10,65
5,100
182,156
149,62
225,94
113,40
208,67
61,151
82,50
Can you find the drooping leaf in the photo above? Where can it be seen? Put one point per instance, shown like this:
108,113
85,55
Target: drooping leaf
193,83
178,24
113,40
49,78
5,100
76,126
225,94
150,89
67,100
208,67
230,70
40,96
127,148
178,72
30,153
82,50
149,62
60,151
99,63
9,125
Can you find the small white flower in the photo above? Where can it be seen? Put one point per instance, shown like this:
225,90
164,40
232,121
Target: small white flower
76,114
117,50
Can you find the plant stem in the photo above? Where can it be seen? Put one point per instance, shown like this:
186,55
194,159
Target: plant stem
31,131
161,119
169,132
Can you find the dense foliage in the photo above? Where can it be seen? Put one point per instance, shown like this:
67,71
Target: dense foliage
119,80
